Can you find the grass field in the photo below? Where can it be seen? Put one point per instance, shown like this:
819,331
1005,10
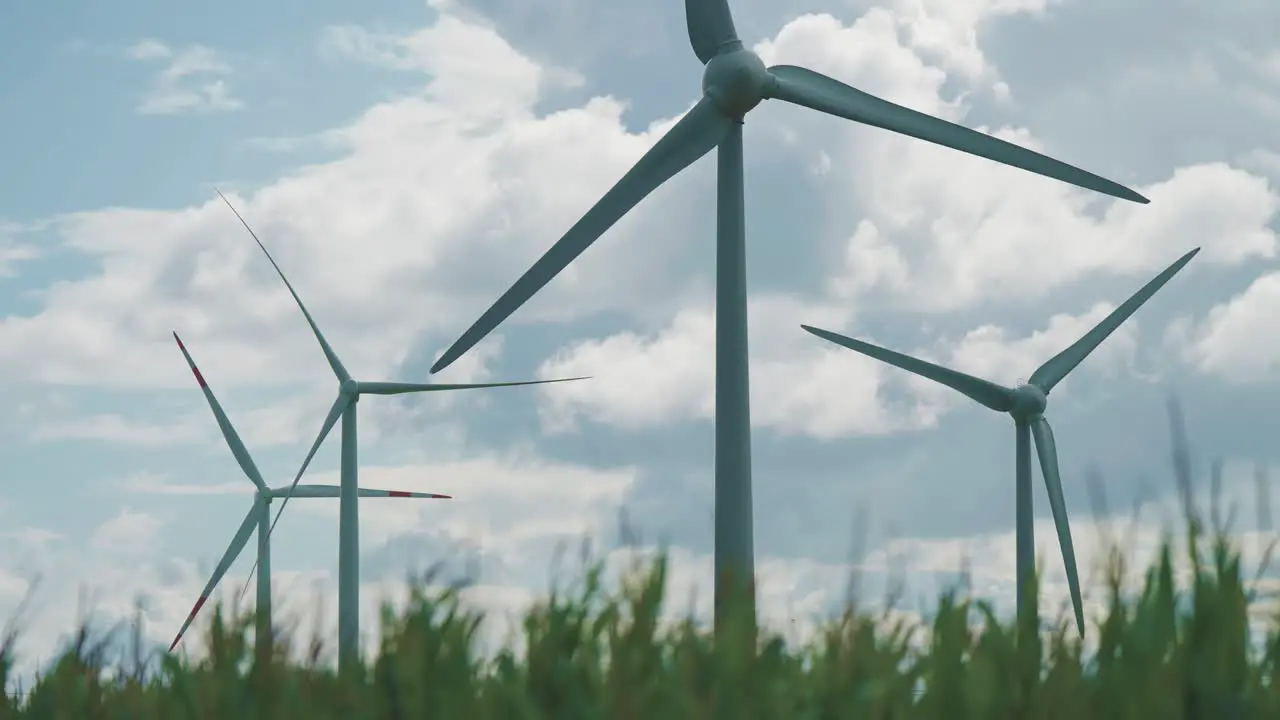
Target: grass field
1166,648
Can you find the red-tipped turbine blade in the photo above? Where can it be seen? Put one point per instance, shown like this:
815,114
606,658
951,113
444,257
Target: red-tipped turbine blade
229,433
228,557
403,494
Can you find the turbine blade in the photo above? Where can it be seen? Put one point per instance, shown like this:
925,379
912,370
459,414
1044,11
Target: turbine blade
247,579
333,491
228,432
396,388
339,406
329,354
994,396
233,551
804,87
700,130
1048,452
306,490
710,27
366,492
1052,372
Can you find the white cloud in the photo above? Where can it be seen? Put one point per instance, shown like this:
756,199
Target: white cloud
509,500
800,383
989,353
128,533
927,243
639,381
1264,161
382,245
115,429
942,246
867,51
475,69
193,80
324,140
947,31
1269,64
150,49
380,238
13,251
154,484
930,242
1231,339
12,255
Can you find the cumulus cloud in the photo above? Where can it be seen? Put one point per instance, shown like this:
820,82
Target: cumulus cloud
1263,161
194,80
1231,340
476,69
988,352
925,242
996,235
947,31
508,500
14,248
383,245
129,532
114,429
11,255
802,384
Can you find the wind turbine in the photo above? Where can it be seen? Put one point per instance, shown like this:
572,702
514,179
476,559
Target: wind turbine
1026,404
344,406
259,514
734,81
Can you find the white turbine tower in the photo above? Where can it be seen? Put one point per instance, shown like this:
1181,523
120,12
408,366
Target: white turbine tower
259,514
344,407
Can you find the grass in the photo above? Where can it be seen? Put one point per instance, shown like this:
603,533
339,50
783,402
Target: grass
1176,645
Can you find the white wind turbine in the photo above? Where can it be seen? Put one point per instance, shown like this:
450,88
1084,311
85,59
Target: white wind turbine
735,81
259,514
344,407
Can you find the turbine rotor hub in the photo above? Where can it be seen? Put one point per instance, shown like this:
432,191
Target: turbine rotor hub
1028,401
349,387
736,82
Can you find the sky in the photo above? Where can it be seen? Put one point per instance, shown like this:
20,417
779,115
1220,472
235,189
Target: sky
406,161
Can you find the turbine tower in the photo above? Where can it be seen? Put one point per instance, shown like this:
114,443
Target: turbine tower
344,407
1026,404
259,514
735,81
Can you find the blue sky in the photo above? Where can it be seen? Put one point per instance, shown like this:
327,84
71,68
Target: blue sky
406,161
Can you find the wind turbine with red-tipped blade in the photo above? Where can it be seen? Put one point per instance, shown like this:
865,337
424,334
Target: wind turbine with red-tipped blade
344,407
734,82
259,514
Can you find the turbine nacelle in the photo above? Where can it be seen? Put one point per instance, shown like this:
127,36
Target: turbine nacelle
736,81
1029,402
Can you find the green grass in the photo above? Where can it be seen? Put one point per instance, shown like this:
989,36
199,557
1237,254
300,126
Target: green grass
1162,652
1178,644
